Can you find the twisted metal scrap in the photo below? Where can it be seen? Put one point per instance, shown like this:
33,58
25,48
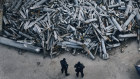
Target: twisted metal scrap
70,24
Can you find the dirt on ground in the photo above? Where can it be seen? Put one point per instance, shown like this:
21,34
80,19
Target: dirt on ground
119,66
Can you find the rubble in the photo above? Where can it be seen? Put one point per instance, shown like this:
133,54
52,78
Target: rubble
72,25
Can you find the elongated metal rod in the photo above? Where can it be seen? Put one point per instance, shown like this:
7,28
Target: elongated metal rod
76,2
103,46
18,5
38,4
27,36
4,20
129,6
116,24
138,39
116,5
138,19
12,43
88,51
133,14
105,54
127,35
1,15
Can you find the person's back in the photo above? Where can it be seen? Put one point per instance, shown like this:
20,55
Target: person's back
79,68
64,66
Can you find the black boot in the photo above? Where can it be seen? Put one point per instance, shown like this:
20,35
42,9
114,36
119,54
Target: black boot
67,74
62,71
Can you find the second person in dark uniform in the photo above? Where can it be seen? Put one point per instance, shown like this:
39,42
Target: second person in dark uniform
79,68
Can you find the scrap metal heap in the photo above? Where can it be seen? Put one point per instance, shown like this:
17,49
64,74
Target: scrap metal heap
52,26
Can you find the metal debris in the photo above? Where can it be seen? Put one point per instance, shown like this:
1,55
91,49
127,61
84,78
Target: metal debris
1,15
23,46
72,25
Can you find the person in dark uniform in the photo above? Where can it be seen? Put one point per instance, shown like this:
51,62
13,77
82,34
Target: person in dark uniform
79,68
64,66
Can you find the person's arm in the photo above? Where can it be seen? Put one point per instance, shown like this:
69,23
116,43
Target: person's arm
83,66
75,65
67,65
61,63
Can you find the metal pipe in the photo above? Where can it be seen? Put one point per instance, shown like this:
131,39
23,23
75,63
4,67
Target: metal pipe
133,14
12,43
116,24
105,54
129,7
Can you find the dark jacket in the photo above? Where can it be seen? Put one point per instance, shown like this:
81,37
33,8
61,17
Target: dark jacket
63,64
79,67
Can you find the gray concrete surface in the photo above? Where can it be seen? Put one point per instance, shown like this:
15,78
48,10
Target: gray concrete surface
119,66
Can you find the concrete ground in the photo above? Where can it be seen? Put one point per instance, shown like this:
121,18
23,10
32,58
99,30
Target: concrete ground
119,66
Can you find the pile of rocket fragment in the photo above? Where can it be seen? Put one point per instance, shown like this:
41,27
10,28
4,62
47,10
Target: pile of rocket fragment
86,26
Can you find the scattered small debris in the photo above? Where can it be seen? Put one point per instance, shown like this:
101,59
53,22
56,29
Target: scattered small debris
38,63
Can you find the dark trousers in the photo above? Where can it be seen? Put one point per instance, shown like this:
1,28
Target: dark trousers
82,74
64,69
